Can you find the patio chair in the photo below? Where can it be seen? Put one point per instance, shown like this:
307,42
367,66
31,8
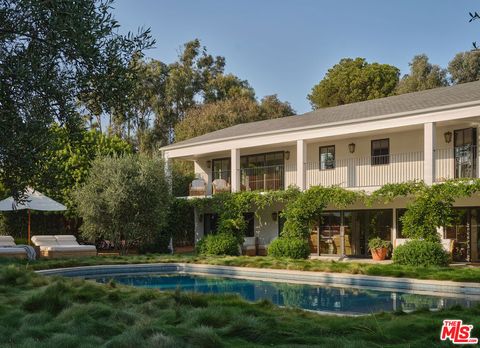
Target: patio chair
249,246
198,187
8,249
220,185
62,246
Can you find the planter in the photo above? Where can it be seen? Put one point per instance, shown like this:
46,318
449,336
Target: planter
379,254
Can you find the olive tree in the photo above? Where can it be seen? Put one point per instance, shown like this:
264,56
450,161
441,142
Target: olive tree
124,200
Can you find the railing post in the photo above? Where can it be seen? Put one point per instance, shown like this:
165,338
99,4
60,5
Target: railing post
235,163
429,142
301,159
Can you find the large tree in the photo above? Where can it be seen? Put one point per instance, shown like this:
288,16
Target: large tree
125,200
423,75
465,67
225,113
354,80
58,59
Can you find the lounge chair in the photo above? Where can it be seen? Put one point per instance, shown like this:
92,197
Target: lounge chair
62,246
198,187
220,185
8,249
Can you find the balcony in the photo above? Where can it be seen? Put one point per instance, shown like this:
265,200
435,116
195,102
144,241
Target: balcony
358,172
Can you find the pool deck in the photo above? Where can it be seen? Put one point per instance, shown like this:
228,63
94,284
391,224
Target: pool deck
407,285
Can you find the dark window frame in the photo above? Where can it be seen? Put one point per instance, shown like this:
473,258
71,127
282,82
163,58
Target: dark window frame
384,159
321,164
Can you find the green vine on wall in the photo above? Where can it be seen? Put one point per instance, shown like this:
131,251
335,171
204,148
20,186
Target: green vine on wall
430,207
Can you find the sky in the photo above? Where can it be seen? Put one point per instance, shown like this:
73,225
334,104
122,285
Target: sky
285,47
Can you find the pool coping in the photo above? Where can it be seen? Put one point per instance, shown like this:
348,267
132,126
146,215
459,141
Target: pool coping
425,286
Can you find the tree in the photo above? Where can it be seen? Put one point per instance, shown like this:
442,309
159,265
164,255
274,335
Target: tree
423,75
125,200
57,59
354,80
69,158
226,113
465,67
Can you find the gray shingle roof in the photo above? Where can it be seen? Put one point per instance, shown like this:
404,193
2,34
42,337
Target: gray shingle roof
411,102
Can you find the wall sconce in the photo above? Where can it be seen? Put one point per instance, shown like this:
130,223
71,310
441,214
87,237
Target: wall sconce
448,137
274,216
209,164
351,147
287,155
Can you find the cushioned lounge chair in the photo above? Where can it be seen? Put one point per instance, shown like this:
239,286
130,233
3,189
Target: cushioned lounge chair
220,185
8,249
198,187
62,246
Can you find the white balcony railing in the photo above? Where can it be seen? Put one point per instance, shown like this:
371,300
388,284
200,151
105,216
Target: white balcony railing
367,171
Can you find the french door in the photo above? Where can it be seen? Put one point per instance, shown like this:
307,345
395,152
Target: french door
465,153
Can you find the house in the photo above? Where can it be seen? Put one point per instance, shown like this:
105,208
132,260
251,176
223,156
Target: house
430,135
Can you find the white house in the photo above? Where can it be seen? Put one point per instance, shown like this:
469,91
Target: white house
430,135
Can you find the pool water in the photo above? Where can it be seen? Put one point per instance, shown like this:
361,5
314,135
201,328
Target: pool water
308,297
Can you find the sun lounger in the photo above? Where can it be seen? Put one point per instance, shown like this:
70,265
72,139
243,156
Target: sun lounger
62,246
8,249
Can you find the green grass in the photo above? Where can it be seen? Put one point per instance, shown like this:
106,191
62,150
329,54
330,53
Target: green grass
454,273
38,311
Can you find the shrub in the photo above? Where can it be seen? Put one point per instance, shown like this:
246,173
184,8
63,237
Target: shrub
294,248
421,253
219,244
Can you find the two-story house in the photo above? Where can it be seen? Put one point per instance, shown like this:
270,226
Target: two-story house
430,135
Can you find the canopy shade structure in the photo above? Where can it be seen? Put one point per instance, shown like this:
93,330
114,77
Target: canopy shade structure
34,200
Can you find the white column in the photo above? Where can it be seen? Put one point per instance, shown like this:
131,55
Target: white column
301,159
429,143
235,162
477,163
394,227
168,169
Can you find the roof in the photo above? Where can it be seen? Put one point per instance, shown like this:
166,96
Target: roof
400,104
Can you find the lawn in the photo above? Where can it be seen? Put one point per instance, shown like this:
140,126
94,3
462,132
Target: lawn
38,311
454,273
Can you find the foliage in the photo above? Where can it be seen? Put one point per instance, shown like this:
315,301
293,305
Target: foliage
420,253
124,200
219,244
69,159
423,75
310,204
354,80
213,116
293,248
465,67
378,243
54,54
232,206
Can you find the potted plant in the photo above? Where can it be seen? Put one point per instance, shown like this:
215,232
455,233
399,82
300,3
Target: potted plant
379,248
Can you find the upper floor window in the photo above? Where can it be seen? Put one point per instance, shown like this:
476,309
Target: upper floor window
221,169
327,157
380,151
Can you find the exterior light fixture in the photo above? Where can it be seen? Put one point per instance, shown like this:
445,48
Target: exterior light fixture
448,137
287,155
209,164
274,216
351,147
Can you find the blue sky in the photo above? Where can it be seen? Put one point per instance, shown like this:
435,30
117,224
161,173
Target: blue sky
285,47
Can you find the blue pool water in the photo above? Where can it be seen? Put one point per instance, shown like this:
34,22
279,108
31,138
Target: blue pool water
309,297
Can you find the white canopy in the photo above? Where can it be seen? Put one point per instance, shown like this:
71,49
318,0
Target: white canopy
34,201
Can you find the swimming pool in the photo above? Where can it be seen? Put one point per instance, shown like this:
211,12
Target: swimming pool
318,298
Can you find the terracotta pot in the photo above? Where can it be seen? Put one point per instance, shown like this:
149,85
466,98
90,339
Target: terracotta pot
379,254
